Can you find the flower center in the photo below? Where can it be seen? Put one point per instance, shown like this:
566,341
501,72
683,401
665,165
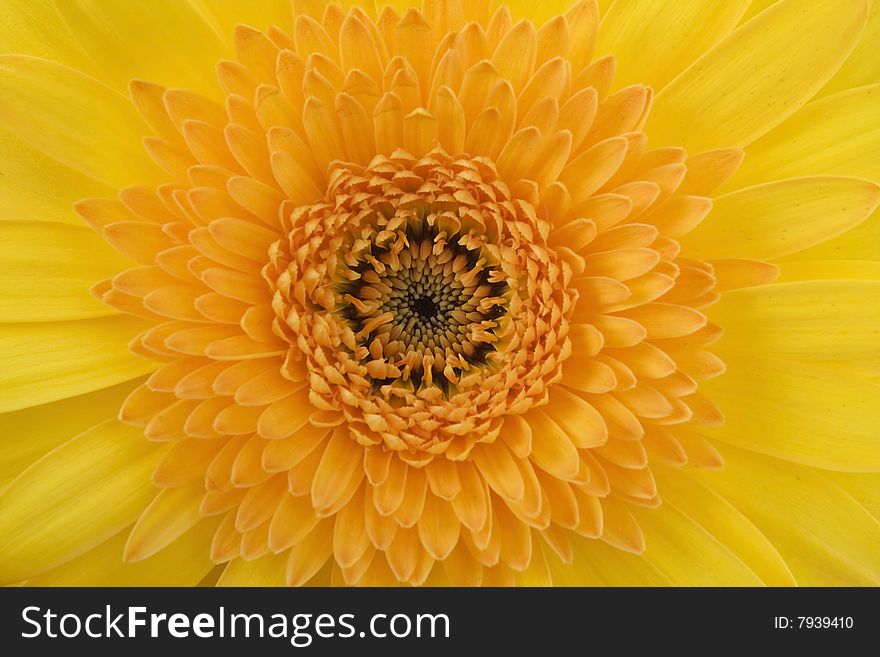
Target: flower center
424,301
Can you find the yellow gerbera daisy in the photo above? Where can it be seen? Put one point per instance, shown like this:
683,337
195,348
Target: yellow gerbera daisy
459,293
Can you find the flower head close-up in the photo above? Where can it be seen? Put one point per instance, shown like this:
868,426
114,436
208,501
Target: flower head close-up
439,293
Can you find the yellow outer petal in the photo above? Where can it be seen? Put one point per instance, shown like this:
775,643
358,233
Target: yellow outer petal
74,119
268,570
864,487
813,270
653,42
863,65
818,321
48,269
165,41
837,135
688,554
33,27
31,432
183,563
172,513
598,564
74,498
825,536
34,186
783,217
796,411
743,87
721,519
54,360
225,15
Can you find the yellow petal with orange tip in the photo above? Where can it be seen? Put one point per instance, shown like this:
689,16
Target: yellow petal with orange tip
260,502
583,423
69,502
552,449
515,538
187,460
410,509
709,170
589,171
307,557
341,461
438,527
286,416
712,103
292,520
388,495
498,466
443,478
471,505
734,273
621,114
350,539
666,320
246,467
591,376
461,568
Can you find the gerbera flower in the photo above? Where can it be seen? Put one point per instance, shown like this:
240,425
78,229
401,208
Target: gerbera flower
466,293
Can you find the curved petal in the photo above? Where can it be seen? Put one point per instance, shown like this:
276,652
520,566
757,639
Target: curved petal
48,269
800,412
596,563
44,362
36,187
816,270
183,563
742,88
688,554
780,218
75,498
75,120
164,41
863,65
225,15
816,321
268,570
837,135
653,42
721,519
825,536
33,27
864,487
27,434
